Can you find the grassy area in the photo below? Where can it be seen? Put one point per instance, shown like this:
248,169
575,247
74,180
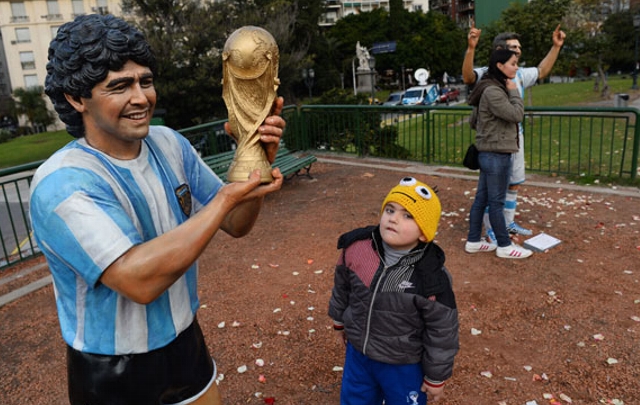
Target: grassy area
31,148
577,93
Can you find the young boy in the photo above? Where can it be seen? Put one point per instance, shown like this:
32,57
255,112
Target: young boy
393,304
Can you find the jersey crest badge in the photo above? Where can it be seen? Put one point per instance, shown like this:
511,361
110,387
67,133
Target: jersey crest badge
184,198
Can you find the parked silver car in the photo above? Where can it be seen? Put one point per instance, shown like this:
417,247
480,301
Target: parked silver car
394,98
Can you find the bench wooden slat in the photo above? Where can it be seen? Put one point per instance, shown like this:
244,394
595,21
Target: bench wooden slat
289,163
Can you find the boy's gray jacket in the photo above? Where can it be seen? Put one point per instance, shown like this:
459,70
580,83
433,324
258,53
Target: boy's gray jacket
404,314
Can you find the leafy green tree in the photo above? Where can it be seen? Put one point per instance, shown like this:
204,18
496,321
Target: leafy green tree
621,37
534,22
30,102
596,46
188,37
431,41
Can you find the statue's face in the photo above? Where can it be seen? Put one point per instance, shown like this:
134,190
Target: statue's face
118,114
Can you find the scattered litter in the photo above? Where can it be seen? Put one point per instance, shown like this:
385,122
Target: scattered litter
277,310
242,369
273,265
475,332
531,403
510,379
487,374
598,337
255,266
613,401
611,361
235,324
221,325
337,368
262,379
259,362
566,398
528,368
636,318
309,318
284,332
295,273
256,345
309,261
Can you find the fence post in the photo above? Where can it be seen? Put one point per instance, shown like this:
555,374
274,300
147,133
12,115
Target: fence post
636,147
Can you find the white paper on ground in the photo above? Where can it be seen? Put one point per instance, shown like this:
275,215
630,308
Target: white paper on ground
541,242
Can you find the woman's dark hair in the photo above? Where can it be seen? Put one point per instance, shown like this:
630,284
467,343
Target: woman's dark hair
81,56
499,56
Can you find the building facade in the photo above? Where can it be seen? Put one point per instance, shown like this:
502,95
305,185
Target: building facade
27,27
337,9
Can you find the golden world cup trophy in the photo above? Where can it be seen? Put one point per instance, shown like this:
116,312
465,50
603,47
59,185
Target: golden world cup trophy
249,88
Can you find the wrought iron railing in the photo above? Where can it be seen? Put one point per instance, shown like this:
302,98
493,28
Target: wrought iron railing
580,141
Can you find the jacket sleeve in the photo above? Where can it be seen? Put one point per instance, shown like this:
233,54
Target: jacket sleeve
340,293
440,340
510,109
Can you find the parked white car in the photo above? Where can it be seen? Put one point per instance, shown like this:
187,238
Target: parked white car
425,95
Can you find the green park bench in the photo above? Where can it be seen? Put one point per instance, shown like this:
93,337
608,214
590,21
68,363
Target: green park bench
290,163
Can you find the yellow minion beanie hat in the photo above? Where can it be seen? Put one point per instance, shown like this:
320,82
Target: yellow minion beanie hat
421,202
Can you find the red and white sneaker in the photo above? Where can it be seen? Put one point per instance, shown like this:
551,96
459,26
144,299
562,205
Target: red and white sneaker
482,246
513,252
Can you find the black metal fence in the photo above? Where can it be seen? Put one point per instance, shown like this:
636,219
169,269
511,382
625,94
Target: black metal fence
594,142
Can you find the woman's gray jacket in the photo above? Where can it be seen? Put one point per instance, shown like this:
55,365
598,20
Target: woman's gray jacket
498,115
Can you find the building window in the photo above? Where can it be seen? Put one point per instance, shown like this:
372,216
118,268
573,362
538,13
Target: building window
18,12
23,35
53,10
31,81
27,60
78,7
102,7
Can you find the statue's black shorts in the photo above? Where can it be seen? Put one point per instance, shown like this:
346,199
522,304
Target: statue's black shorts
177,372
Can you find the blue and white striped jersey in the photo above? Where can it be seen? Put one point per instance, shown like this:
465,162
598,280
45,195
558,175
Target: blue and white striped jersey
87,209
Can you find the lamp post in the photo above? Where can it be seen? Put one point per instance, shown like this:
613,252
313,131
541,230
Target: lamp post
636,25
308,75
372,66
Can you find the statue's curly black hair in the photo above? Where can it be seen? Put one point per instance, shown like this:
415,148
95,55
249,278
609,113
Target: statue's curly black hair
82,54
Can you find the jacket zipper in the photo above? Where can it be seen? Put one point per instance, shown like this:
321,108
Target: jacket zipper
373,299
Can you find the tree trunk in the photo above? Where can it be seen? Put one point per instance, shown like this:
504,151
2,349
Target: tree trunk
605,86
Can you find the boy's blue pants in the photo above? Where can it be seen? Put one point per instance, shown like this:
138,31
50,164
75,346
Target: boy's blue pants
369,382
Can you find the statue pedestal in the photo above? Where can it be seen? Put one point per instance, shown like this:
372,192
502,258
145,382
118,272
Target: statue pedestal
366,79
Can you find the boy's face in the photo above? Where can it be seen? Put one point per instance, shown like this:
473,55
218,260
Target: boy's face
398,228
118,114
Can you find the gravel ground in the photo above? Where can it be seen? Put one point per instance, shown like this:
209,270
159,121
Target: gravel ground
561,326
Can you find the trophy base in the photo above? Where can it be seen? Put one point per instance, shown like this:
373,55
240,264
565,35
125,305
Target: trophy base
240,170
